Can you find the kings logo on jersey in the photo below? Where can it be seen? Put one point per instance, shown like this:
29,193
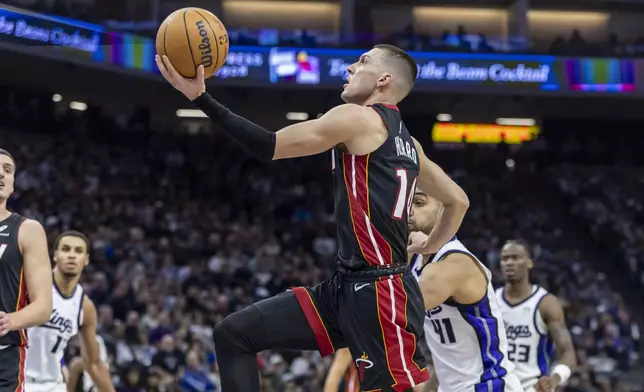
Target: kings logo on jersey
59,322
517,331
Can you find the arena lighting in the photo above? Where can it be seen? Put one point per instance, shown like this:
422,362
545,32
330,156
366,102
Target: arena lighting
519,122
444,117
57,98
297,116
191,113
80,106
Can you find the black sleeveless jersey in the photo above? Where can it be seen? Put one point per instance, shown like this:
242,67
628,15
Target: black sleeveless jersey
373,195
13,289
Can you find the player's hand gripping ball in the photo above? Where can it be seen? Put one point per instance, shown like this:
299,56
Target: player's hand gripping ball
191,37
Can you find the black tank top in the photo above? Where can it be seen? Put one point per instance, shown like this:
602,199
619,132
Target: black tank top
13,288
373,195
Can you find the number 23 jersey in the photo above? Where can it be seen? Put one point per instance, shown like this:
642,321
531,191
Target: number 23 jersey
47,342
530,347
468,342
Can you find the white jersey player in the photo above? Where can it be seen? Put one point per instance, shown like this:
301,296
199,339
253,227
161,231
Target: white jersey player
534,323
47,342
73,313
463,325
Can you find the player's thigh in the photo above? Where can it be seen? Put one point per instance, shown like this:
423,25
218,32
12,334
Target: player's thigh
12,361
302,318
382,322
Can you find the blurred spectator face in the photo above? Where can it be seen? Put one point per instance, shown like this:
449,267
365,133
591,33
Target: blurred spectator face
192,360
6,176
133,377
71,256
167,343
423,213
515,263
365,76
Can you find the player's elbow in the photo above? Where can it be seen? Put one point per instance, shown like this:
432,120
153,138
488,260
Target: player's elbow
433,291
460,200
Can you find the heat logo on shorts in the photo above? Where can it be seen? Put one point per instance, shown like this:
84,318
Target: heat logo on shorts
362,364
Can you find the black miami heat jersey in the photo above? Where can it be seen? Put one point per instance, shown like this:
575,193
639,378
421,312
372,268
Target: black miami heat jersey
373,195
13,289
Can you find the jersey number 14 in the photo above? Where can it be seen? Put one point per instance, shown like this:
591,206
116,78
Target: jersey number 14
405,194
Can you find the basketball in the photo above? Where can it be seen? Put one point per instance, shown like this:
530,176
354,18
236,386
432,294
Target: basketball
191,37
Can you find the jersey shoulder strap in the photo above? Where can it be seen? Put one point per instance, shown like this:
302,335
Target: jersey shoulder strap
539,323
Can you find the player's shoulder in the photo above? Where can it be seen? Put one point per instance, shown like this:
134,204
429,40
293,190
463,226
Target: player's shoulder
549,303
30,229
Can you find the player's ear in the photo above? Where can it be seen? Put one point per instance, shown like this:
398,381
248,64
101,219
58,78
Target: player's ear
530,263
384,79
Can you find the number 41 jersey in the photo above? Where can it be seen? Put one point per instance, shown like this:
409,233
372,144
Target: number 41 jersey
468,342
47,342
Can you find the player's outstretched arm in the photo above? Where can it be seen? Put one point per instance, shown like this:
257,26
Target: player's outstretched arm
337,126
553,315
437,184
38,279
341,362
456,275
90,353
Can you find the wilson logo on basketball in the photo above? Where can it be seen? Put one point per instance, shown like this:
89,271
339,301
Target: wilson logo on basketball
363,363
204,47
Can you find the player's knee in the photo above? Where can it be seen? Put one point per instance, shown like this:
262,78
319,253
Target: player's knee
240,330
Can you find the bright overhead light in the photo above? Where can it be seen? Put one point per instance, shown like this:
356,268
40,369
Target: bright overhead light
444,117
297,116
57,98
191,113
520,122
80,106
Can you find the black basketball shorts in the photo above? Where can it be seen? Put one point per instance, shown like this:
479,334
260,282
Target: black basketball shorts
12,368
379,317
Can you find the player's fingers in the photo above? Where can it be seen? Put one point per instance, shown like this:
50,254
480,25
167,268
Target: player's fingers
173,72
162,68
200,73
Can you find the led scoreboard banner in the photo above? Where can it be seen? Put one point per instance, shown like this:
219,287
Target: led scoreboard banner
326,68
483,133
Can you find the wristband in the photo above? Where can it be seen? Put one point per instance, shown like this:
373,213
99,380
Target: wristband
563,372
253,138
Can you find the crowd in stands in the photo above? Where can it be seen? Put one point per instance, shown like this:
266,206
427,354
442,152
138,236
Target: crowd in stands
186,229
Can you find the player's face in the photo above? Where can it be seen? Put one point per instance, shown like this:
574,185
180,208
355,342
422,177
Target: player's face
515,263
424,212
7,173
71,256
365,76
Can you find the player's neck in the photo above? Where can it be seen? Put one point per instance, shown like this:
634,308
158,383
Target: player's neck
518,290
378,97
65,285
4,212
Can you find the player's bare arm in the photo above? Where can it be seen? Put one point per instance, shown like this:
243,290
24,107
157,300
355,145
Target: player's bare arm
340,125
456,276
553,315
341,362
90,353
437,184
74,373
38,278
